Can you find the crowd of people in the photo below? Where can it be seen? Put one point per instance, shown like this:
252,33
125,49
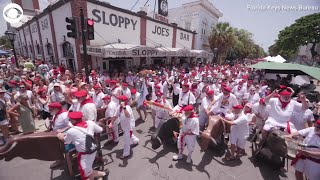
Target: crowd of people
241,96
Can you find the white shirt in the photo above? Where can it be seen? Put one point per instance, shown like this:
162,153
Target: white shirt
241,129
89,112
311,139
127,92
130,80
127,123
60,121
282,115
112,110
252,98
299,119
97,99
224,104
239,93
190,124
162,113
263,111
117,91
78,138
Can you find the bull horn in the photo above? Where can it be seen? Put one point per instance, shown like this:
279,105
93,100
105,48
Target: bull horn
214,141
11,147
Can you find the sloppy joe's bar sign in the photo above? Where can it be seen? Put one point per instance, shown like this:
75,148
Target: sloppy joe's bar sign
159,34
136,52
113,25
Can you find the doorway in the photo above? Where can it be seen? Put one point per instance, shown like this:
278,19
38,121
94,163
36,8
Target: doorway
116,66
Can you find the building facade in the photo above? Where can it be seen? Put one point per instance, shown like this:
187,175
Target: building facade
123,39
200,16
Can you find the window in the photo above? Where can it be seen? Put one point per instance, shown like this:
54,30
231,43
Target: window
38,49
104,65
27,4
49,49
66,48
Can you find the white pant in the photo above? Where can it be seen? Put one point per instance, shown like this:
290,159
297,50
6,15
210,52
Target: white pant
270,123
113,134
310,168
240,142
129,139
85,162
189,141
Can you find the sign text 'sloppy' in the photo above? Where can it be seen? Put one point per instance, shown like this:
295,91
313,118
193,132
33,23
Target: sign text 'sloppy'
113,20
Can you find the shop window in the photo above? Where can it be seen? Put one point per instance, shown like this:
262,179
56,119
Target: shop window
66,49
49,49
38,49
104,65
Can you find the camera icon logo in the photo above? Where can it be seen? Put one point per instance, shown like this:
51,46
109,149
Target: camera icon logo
12,13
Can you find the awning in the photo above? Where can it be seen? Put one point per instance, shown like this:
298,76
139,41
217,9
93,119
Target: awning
288,68
3,52
131,50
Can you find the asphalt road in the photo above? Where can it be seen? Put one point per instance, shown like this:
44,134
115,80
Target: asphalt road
147,164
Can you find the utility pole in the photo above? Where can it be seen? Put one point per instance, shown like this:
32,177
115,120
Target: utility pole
84,44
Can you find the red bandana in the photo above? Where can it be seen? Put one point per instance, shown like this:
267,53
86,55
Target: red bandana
283,104
82,124
239,88
86,101
192,115
121,107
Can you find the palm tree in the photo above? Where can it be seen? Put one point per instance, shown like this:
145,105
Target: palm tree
222,37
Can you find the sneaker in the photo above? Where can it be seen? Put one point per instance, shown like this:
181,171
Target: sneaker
177,157
189,160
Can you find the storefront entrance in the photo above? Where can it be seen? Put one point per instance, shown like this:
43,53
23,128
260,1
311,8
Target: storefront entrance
114,65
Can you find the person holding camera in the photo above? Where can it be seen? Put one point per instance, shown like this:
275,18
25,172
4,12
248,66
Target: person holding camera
127,123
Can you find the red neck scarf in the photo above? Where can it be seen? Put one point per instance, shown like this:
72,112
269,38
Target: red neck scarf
82,124
239,88
192,115
59,112
283,104
246,112
121,106
86,101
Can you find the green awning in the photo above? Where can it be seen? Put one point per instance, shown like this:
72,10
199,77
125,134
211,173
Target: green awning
288,68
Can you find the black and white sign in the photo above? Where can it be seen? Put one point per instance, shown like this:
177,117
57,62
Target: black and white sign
163,7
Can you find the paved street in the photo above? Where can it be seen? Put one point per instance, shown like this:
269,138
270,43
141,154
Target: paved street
147,164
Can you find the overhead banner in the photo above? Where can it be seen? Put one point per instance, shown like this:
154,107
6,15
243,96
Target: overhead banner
163,7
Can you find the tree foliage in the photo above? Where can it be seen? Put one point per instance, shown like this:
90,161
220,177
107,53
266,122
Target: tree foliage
4,41
233,43
305,30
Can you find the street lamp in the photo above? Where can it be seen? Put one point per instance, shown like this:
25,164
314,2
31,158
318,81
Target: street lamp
11,36
215,54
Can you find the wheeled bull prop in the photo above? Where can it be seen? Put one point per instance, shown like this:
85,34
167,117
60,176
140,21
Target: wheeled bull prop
274,149
213,134
165,131
43,146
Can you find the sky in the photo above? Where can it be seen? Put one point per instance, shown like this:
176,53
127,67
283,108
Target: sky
263,18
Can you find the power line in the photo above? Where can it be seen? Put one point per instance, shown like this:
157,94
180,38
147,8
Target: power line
103,39
146,3
134,5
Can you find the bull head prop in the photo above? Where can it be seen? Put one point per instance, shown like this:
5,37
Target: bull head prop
212,133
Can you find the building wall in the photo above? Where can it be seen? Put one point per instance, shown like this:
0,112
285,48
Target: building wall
159,34
46,34
61,31
36,39
111,25
199,16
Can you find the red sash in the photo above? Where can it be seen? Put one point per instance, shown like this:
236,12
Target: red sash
288,127
301,156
